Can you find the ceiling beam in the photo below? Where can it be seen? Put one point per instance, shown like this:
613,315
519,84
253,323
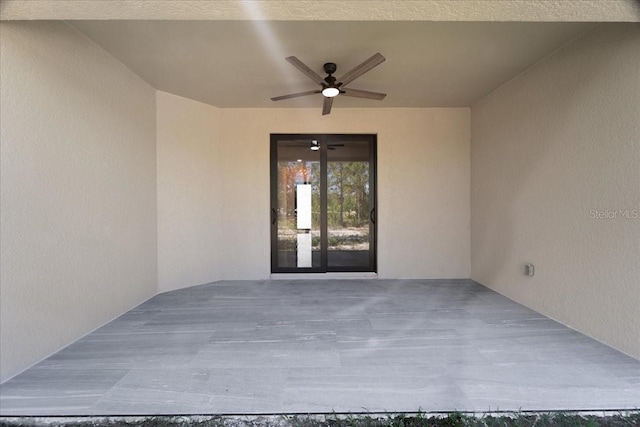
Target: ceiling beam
326,10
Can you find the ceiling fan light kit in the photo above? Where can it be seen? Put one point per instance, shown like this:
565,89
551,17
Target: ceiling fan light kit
330,92
332,87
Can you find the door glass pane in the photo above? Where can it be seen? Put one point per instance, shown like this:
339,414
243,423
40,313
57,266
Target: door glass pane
348,204
298,207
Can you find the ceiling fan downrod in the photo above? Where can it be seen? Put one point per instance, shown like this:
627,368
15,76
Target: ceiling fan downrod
330,89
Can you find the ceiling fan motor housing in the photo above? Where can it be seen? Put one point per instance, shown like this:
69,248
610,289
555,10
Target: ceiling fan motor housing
331,81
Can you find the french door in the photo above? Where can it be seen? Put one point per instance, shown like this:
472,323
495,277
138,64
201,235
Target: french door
323,204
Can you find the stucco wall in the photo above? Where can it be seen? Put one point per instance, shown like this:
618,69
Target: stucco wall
78,190
423,186
189,183
551,152
213,188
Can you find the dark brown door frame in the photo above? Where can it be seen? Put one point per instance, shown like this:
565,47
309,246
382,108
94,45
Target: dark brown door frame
324,139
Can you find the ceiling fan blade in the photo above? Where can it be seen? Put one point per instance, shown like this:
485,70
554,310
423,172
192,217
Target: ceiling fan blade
306,70
363,94
295,95
326,106
359,70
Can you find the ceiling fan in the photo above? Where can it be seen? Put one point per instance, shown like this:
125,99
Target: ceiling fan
332,87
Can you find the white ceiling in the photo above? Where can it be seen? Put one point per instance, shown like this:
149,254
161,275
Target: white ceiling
242,63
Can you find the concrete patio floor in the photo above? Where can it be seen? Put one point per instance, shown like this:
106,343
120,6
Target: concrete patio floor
249,347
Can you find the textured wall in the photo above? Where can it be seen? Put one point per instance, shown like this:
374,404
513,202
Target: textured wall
551,152
189,182
78,198
423,186
329,10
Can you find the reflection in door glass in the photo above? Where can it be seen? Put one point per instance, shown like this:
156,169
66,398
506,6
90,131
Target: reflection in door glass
348,204
298,213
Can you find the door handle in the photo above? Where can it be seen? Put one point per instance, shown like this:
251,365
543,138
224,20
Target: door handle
372,216
274,216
